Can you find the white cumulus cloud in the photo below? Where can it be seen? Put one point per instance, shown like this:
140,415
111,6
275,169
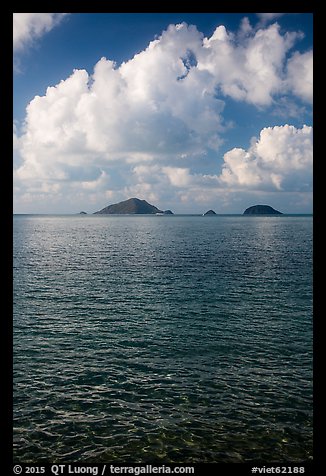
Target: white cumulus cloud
250,70
27,27
300,75
281,159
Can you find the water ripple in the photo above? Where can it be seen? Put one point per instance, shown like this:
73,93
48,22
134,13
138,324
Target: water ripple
146,340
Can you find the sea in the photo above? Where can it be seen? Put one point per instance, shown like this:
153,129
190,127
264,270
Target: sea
168,339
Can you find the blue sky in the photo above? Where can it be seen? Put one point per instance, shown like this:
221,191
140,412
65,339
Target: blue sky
187,111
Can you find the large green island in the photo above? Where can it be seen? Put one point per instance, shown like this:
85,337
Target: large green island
261,210
132,206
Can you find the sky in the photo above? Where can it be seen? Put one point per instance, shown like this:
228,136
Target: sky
188,111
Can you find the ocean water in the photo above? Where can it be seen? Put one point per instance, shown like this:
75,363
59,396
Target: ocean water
162,339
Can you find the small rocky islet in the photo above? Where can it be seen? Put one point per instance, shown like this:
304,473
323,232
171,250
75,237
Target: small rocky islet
209,213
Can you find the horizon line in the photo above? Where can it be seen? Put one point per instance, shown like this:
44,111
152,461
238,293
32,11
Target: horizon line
154,214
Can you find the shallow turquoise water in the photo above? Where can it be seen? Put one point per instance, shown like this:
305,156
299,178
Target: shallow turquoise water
172,339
